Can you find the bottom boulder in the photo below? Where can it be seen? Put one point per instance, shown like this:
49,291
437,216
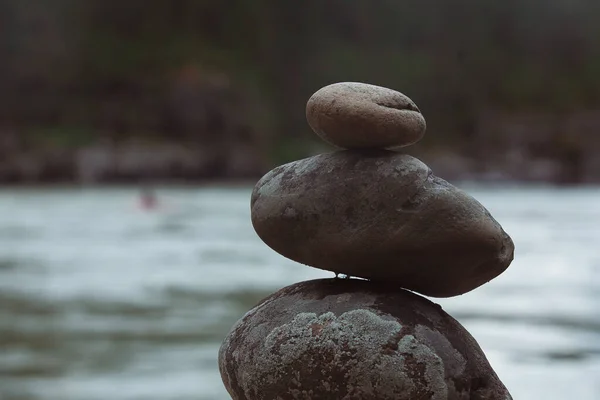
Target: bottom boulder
353,339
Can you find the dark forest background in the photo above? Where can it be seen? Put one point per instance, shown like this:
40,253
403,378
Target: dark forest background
130,90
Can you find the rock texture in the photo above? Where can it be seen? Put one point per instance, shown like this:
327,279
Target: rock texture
359,115
383,216
377,214
353,339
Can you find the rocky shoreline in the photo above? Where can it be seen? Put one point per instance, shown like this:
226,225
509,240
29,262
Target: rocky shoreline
137,161
131,163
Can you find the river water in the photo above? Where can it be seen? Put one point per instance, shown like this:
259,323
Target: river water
101,300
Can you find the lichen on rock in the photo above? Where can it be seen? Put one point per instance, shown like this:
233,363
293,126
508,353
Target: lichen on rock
352,339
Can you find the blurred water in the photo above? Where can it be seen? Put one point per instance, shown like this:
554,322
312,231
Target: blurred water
99,299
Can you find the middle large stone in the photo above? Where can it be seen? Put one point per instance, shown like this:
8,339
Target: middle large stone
383,216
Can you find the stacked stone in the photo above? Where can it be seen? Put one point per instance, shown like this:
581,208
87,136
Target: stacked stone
369,212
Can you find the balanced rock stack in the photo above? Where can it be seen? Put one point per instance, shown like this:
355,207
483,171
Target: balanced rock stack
368,212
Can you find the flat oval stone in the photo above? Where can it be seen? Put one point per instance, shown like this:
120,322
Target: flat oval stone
383,216
359,115
353,339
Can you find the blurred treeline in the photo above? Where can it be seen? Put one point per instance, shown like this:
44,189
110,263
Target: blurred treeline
230,78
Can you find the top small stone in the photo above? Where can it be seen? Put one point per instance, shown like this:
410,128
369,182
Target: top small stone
355,115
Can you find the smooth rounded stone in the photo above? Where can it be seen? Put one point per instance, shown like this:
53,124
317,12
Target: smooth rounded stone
353,339
359,115
383,216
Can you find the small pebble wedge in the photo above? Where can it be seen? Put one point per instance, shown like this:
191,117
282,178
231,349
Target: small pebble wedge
358,115
383,216
353,339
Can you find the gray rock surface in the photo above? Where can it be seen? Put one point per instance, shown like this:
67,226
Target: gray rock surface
359,115
380,215
353,339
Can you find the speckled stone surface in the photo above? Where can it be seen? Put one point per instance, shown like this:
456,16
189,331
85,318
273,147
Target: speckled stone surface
353,339
359,115
383,216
